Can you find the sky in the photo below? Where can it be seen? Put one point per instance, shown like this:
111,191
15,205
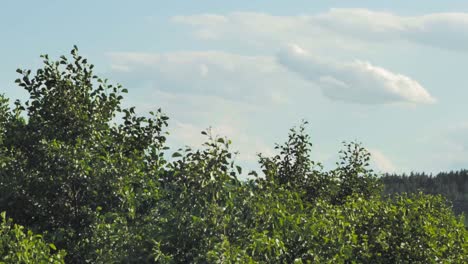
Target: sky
388,74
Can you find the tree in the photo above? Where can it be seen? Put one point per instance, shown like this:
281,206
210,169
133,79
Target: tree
64,157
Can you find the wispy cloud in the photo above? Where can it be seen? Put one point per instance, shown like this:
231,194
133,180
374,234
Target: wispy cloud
443,30
256,79
381,162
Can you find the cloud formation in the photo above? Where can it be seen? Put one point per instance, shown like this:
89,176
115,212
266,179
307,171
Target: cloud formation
256,79
381,162
355,82
442,30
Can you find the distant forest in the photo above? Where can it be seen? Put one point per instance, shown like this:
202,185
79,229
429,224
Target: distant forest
452,185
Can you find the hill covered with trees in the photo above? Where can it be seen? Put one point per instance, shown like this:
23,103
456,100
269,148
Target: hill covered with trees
453,185
95,181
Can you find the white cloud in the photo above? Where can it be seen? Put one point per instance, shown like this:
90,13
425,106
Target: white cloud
381,162
357,82
200,20
262,80
254,79
443,30
249,22
259,30
362,20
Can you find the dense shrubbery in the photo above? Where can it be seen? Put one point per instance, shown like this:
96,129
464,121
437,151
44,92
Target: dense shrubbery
105,192
20,246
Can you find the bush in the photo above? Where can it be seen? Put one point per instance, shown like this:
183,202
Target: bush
20,246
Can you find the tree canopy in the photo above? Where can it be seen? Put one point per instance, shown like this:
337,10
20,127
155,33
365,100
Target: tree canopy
95,180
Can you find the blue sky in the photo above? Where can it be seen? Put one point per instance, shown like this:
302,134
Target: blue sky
390,74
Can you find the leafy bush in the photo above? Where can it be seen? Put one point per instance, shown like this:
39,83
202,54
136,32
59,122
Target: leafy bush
20,246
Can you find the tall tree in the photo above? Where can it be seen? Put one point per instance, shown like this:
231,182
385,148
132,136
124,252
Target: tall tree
64,156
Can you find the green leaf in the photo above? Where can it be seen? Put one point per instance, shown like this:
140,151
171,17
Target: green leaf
176,154
253,173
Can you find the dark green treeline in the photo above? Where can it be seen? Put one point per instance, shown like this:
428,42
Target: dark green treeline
453,185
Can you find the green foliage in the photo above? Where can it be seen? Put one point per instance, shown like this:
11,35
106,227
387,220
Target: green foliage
18,245
452,185
67,158
94,179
